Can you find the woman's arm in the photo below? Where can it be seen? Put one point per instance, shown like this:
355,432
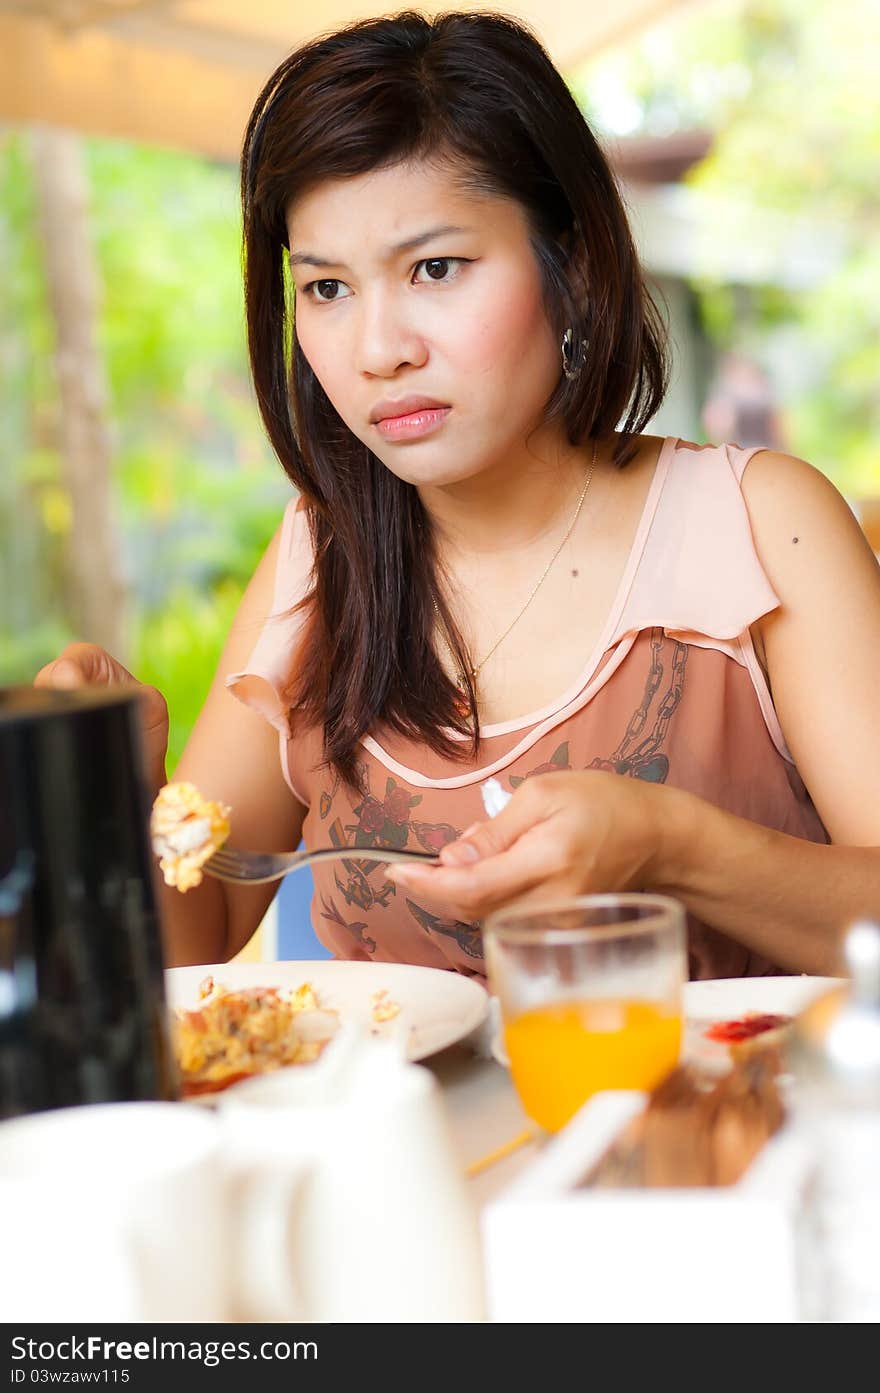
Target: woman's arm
822,655
822,645
232,756
584,833
790,900
783,897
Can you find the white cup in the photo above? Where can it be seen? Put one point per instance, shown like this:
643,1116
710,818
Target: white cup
353,1203
113,1212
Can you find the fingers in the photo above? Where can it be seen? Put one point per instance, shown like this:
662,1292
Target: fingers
472,890
61,673
88,665
76,666
530,805
154,709
70,669
476,872
533,849
94,667
80,665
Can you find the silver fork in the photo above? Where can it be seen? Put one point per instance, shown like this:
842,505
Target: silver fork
258,867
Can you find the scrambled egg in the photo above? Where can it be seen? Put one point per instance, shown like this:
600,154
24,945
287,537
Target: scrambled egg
186,830
237,1033
383,1008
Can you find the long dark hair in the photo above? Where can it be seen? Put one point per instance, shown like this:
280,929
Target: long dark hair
478,91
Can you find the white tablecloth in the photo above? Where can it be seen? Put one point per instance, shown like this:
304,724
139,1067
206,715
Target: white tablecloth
484,1113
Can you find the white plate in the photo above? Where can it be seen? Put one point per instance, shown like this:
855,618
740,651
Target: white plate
437,1008
728,998
725,999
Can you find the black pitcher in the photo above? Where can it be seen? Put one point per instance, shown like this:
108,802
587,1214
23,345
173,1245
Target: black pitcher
82,1006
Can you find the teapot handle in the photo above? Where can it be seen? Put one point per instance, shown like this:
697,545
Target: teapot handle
266,1286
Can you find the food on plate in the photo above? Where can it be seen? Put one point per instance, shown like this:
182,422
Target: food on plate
234,1034
693,1134
383,1008
753,1031
186,830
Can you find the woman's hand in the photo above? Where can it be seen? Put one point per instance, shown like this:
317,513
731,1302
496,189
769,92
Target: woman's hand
84,665
560,835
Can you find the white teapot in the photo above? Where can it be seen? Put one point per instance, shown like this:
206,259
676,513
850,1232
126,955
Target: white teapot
352,1203
113,1212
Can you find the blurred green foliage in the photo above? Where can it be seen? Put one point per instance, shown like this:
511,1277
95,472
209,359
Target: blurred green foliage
176,649
790,90
788,86
199,492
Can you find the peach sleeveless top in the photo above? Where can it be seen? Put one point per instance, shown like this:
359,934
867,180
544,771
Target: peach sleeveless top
672,693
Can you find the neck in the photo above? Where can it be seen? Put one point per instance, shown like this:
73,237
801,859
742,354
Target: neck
510,504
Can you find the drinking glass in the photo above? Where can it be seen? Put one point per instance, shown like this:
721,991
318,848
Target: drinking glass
590,993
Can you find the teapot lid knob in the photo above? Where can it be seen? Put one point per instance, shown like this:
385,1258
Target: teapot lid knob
861,953
836,1041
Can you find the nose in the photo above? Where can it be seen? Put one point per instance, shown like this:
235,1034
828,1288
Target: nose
386,338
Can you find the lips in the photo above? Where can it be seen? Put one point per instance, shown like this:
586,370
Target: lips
389,409
414,425
409,417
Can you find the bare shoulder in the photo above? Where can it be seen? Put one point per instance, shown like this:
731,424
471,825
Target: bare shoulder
263,594
777,486
821,644
803,527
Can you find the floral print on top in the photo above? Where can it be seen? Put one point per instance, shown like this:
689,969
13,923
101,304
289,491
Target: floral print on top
675,696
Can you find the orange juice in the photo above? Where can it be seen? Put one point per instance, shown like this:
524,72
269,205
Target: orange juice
562,1053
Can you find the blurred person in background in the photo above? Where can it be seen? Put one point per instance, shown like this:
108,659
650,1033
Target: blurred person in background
740,405
668,653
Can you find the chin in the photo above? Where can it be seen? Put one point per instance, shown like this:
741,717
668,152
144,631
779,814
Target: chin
431,475
431,463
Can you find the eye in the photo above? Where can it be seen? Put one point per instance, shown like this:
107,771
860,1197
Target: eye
437,268
326,291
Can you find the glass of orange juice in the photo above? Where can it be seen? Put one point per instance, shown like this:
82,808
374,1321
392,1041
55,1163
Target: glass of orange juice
590,992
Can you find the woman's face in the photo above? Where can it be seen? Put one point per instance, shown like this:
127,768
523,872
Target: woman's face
419,308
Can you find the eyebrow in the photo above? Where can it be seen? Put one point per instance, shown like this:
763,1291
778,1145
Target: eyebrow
410,244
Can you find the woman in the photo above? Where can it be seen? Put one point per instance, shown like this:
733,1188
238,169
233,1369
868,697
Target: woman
483,530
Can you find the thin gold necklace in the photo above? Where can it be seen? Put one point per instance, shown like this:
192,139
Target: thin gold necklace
477,667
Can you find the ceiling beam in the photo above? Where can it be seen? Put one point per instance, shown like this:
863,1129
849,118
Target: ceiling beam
149,70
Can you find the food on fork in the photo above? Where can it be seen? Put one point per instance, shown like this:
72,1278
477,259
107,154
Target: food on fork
235,1034
186,830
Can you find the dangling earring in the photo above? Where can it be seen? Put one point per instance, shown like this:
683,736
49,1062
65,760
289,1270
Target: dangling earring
571,366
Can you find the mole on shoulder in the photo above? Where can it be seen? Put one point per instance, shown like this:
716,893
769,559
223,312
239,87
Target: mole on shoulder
795,539
575,573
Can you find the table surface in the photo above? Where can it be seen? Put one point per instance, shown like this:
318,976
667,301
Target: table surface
484,1112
